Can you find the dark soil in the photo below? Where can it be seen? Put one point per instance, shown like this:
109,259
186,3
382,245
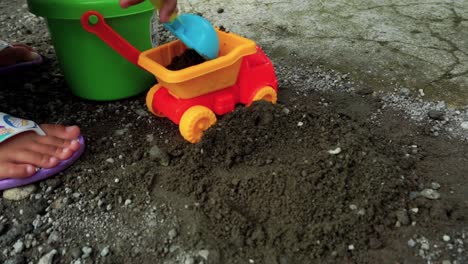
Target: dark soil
188,58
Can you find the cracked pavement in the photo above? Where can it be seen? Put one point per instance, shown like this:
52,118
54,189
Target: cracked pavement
387,44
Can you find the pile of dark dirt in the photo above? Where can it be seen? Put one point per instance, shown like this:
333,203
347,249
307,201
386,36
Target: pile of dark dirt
298,185
189,58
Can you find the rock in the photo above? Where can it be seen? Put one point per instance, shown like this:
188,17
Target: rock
435,186
402,217
159,155
105,251
414,195
121,132
204,254
189,260
335,151
220,10
18,246
20,193
286,111
446,238
127,202
110,160
436,115
172,234
405,92
47,258
86,252
299,124
411,243
351,247
353,207
374,243
75,252
53,237
54,182
446,262
464,125
430,194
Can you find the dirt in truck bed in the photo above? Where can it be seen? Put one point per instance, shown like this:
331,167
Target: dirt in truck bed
189,58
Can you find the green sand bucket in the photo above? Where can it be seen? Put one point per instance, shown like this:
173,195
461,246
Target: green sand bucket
92,69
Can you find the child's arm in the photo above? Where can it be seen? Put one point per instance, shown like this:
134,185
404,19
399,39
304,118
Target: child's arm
167,8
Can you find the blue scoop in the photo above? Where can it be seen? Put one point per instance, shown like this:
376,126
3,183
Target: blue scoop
196,33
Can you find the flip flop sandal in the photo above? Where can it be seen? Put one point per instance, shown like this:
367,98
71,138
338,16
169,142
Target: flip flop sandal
20,65
11,126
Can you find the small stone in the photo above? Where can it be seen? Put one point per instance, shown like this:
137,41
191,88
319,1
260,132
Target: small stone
251,261
414,210
110,160
335,151
425,246
76,195
464,125
446,262
351,247
286,111
430,194
47,258
86,252
20,193
204,253
411,243
421,92
402,217
220,10
18,246
414,195
405,92
53,237
105,251
172,234
109,207
374,243
435,186
127,202
159,155
76,252
116,180
189,260
121,132
446,238
436,115
299,124
352,207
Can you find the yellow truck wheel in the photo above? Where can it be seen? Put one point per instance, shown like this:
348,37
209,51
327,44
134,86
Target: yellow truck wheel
266,93
150,98
195,121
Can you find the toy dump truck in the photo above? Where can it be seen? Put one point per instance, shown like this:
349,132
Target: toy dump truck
193,96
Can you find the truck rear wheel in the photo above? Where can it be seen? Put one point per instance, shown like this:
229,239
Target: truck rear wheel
266,93
195,121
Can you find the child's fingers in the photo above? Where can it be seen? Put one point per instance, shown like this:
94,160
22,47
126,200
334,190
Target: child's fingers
168,7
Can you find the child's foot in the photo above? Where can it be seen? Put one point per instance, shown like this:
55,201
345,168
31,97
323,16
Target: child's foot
23,154
16,53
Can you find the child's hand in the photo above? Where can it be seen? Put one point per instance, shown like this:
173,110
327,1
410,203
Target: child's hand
168,7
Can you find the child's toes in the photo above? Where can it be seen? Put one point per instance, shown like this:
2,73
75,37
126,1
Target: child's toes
12,170
35,158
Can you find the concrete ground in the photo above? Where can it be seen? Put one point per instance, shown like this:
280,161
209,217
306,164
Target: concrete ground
388,44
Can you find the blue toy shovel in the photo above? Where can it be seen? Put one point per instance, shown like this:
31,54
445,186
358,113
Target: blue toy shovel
194,31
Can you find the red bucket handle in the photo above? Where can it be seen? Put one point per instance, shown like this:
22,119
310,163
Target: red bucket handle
94,22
